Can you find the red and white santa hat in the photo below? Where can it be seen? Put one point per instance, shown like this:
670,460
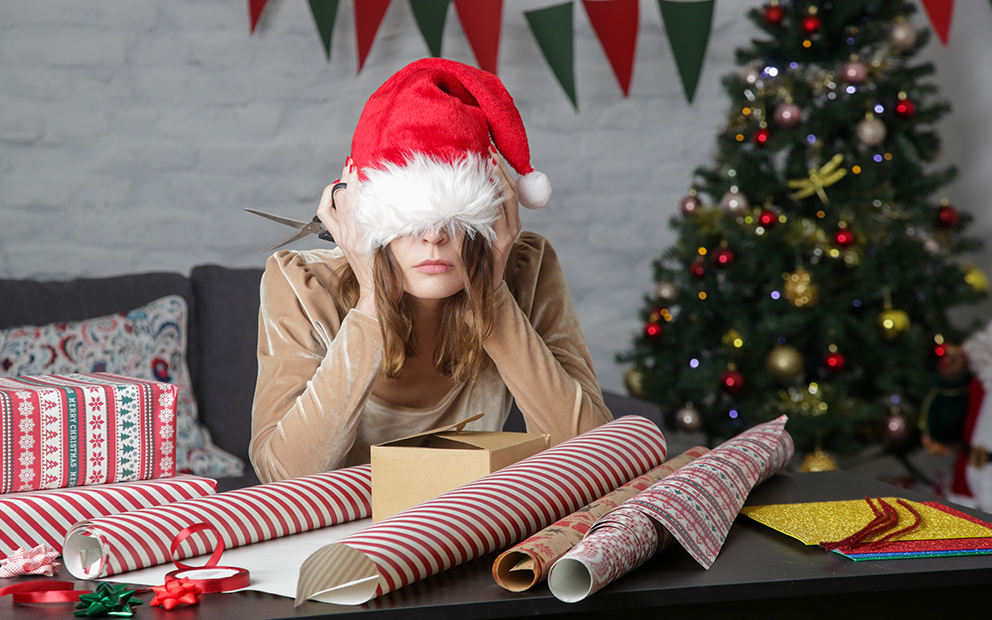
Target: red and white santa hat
422,151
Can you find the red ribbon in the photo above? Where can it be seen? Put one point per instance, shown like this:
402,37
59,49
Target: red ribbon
43,591
240,578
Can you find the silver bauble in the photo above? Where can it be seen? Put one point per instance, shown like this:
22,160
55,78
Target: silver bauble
750,74
871,131
688,419
787,115
734,203
902,36
666,291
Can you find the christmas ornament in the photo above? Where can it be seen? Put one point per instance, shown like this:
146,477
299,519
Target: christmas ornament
871,131
826,176
107,600
843,238
723,257
893,323
633,380
834,362
176,592
666,290
947,216
976,279
731,381
810,24
768,218
696,268
905,108
787,115
761,136
750,74
854,72
690,205
688,419
774,14
652,330
38,560
784,362
734,203
902,36
895,428
733,339
818,460
799,288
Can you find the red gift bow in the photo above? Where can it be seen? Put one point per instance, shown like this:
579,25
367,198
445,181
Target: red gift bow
39,560
176,592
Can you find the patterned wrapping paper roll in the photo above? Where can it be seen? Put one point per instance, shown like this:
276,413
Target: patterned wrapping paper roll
480,517
34,517
110,545
695,506
541,550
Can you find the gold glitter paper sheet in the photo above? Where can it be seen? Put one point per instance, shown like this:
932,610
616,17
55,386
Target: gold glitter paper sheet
818,522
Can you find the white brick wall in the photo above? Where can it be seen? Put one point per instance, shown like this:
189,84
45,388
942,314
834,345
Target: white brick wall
132,134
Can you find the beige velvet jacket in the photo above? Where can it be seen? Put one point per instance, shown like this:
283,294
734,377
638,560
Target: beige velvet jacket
313,408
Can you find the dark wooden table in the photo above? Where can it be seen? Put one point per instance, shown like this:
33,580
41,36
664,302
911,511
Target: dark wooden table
759,574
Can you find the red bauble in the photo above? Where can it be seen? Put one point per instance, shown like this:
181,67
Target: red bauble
843,238
767,218
940,350
905,108
810,24
947,216
732,382
834,362
723,257
696,268
761,136
774,14
652,330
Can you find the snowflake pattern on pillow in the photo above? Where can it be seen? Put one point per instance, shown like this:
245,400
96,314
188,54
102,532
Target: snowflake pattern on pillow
146,343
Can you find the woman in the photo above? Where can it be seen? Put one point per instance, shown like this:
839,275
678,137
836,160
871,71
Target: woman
434,306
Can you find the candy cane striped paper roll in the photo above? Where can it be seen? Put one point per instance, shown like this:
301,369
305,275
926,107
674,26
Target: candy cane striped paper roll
110,545
482,516
695,506
31,518
527,564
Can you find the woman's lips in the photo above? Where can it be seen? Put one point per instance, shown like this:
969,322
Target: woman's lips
434,266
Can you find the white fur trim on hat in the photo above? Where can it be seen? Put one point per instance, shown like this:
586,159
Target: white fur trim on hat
427,194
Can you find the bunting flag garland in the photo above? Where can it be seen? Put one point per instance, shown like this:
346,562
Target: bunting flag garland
615,23
324,13
552,28
430,16
255,11
368,17
482,21
939,12
688,26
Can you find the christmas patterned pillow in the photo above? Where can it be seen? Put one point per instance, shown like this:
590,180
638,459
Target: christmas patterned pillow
147,343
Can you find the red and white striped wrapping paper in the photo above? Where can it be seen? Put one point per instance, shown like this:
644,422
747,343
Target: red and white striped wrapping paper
34,517
695,506
60,431
110,545
482,516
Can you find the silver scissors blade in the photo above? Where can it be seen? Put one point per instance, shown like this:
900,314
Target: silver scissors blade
298,235
282,220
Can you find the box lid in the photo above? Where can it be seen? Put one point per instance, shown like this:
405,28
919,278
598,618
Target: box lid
483,440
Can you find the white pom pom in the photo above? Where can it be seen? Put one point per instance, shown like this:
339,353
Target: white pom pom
534,189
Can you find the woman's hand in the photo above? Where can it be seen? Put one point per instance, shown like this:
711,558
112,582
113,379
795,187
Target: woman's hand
336,213
508,225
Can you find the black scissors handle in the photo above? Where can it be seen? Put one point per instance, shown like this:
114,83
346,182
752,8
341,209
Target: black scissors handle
326,236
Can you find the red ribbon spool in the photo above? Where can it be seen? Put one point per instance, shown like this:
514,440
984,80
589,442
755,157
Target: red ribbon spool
209,577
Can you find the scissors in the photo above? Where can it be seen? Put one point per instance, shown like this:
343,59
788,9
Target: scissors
313,227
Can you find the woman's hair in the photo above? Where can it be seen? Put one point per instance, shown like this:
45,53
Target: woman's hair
459,352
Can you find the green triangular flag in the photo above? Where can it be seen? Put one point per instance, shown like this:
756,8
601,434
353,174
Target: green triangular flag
324,13
688,27
552,27
430,16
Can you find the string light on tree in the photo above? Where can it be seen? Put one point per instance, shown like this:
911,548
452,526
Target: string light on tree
761,136
723,257
688,419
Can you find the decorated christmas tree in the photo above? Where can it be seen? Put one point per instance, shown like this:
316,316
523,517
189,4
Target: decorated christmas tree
816,259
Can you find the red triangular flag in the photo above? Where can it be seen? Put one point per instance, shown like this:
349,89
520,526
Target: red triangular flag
615,24
368,16
940,16
255,11
482,21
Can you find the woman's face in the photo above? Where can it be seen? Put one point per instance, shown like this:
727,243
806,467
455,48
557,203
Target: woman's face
431,264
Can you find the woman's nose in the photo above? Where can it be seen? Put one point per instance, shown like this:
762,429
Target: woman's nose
434,237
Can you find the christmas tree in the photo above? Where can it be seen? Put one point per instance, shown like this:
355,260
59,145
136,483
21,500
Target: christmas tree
815,261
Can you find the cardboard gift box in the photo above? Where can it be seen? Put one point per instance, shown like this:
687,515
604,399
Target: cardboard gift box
60,431
411,470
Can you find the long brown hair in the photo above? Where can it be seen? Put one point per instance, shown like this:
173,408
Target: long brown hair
459,352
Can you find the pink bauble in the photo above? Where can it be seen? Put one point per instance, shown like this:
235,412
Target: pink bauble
896,428
734,203
854,72
690,205
787,115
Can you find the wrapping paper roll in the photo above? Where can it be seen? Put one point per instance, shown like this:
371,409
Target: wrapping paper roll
695,506
110,545
528,563
482,516
31,518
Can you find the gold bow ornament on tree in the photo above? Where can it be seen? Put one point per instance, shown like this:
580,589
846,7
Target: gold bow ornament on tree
826,176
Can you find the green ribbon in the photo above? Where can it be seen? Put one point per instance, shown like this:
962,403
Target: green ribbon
107,600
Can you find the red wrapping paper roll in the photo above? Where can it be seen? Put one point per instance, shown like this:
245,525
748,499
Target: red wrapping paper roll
480,517
110,545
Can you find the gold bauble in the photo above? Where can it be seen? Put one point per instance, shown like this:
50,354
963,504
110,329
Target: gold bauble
818,460
784,362
976,279
893,323
799,288
633,380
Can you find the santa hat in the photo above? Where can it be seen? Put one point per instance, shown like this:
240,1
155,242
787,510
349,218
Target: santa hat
422,150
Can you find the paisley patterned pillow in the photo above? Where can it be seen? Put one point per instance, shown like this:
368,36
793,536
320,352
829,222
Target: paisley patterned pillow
147,343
